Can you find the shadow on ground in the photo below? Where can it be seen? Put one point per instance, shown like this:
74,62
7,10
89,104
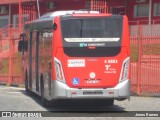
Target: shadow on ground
77,105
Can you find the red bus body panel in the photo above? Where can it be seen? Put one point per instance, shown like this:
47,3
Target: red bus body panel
106,69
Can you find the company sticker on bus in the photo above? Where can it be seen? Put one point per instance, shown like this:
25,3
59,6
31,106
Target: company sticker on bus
109,63
47,34
110,69
92,44
76,63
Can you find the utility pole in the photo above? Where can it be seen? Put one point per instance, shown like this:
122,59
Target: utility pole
38,8
20,17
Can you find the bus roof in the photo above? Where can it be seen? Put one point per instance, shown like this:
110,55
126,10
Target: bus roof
68,12
49,18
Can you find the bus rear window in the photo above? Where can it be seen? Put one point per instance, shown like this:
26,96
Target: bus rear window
101,32
91,28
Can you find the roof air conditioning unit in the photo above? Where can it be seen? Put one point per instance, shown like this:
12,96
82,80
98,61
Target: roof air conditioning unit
140,1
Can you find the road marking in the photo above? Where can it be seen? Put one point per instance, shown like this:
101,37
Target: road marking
15,92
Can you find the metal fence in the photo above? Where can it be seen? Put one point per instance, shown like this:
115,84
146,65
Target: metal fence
145,57
145,49
99,5
11,70
10,59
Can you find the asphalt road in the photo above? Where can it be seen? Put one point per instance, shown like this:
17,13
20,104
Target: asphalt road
16,99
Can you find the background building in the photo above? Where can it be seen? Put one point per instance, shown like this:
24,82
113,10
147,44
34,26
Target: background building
9,9
134,9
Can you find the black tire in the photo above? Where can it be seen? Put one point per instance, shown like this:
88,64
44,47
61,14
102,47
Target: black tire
45,102
110,102
26,83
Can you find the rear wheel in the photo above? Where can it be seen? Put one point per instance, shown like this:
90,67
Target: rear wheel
110,102
44,101
26,82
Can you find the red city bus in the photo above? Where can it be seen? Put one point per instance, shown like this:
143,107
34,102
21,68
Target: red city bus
77,55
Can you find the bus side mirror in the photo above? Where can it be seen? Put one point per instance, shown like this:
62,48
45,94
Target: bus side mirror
22,46
25,43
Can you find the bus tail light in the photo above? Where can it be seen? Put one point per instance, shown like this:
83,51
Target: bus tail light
59,70
125,70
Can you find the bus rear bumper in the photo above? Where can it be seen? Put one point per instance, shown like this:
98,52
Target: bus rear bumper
62,91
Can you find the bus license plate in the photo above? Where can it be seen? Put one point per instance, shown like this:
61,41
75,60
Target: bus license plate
99,92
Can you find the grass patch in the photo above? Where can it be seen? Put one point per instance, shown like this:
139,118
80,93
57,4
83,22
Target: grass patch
5,68
152,49
16,66
134,53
